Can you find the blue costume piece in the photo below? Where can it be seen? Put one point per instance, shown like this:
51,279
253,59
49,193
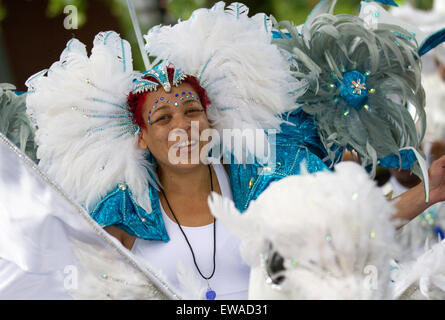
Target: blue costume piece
119,209
387,2
404,162
297,142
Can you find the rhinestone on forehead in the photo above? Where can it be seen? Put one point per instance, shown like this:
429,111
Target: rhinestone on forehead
175,103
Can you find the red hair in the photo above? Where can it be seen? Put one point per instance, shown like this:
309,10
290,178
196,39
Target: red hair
136,101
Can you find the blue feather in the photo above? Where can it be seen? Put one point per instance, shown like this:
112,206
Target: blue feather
387,2
432,41
277,34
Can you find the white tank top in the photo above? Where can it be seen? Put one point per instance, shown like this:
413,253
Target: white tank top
231,278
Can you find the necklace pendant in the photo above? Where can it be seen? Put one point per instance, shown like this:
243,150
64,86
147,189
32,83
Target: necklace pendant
210,294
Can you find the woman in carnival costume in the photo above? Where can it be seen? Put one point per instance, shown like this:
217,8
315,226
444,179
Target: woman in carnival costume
103,131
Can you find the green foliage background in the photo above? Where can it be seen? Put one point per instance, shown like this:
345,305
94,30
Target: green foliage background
294,10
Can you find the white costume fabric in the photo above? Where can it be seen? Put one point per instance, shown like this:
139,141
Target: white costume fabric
231,278
48,244
435,107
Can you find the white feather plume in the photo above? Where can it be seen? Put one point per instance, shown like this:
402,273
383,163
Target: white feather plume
87,140
101,275
331,228
423,278
246,78
246,226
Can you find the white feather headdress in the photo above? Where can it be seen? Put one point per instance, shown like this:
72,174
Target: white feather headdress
87,141
246,78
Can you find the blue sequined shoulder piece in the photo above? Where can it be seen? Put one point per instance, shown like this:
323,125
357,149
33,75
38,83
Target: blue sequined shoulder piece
249,181
300,130
404,162
298,142
119,209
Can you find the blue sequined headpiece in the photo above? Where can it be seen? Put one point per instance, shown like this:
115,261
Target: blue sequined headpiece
141,84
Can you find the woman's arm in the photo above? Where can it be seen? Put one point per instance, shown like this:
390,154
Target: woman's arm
412,203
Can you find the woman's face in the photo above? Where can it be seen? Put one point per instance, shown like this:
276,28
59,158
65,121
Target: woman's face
168,121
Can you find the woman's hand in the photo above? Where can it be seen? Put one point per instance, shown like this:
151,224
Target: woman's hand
412,203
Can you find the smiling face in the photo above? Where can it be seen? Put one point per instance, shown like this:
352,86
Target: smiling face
168,121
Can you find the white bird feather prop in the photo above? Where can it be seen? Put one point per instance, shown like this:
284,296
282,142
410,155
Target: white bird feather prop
87,141
246,78
331,229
